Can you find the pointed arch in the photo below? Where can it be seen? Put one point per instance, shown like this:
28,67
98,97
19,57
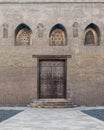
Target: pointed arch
92,35
23,35
57,35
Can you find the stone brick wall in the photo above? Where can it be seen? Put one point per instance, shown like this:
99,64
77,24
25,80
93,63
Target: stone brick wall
18,70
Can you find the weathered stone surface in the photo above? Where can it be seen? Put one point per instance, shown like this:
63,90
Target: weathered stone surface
50,119
44,1
18,70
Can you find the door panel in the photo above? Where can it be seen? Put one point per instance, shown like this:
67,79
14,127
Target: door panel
52,79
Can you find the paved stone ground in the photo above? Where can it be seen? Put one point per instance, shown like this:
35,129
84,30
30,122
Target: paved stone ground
52,119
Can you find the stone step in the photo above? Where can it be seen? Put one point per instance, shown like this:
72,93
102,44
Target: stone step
52,103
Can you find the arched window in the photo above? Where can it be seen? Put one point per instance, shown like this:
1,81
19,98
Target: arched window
92,35
23,35
58,35
5,30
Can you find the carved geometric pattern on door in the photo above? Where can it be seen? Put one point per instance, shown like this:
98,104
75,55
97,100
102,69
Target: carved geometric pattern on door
52,79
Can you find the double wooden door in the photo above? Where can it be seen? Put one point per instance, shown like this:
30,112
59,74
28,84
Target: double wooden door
52,79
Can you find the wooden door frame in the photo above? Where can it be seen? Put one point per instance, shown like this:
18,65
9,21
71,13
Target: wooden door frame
38,72
64,76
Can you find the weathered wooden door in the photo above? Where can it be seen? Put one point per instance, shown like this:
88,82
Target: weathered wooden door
52,79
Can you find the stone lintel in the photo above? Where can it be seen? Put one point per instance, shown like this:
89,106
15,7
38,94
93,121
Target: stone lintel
51,56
